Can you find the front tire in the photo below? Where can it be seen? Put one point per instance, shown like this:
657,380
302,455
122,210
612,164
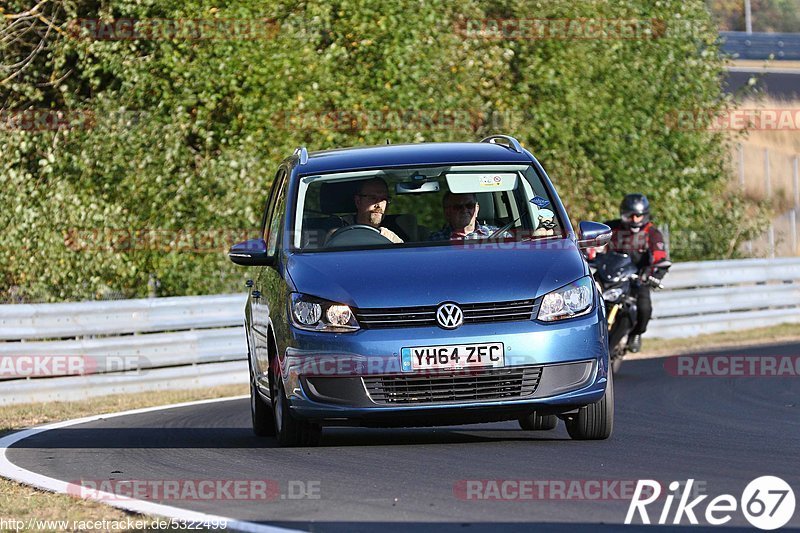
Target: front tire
536,422
594,421
289,430
260,411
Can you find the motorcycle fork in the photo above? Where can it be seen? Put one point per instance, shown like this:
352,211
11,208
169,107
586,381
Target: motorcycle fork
612,315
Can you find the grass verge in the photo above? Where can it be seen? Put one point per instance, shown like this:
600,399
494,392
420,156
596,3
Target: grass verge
729,339
32,508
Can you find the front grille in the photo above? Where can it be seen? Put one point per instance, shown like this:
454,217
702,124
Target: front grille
406,317
455,386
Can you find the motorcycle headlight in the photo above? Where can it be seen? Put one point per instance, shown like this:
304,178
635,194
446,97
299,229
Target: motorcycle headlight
612,295
315,314
569,301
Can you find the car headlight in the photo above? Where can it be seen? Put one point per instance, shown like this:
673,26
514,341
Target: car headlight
569,301
612,295
315,314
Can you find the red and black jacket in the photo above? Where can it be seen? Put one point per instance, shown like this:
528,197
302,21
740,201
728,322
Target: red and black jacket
646,246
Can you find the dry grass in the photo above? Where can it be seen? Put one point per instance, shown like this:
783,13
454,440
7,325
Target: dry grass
34,414
762,63
730,339
783,146
20,502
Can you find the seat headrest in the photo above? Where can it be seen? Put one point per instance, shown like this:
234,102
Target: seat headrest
337,197
486,201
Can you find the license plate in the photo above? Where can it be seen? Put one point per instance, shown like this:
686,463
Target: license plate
454,356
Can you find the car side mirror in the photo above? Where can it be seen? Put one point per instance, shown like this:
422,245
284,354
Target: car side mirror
252,252
593,235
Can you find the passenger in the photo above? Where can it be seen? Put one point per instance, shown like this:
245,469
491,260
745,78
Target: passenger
461,213
371,201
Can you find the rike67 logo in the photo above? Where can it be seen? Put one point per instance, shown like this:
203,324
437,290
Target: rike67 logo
767,503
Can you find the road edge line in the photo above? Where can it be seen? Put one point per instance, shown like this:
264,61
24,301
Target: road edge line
16,473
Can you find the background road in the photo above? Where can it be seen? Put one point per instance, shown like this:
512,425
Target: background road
778,83
721,431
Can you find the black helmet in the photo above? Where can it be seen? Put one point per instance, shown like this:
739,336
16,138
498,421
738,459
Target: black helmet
634,204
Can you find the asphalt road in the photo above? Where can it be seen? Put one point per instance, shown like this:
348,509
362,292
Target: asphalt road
722,432
780,84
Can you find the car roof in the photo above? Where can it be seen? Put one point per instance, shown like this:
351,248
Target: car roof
392,155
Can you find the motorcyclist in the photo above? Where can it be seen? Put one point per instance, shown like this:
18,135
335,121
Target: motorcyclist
634,234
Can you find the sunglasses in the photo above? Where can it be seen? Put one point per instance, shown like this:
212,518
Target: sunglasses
465,205
375,199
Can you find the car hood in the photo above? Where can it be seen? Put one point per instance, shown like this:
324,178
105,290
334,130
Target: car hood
403,277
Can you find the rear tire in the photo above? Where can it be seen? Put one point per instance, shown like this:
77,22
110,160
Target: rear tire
289,430
594,421
536,422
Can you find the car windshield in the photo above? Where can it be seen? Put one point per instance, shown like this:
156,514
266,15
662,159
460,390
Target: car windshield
429,206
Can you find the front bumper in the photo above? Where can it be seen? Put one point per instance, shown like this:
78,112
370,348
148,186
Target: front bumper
357,378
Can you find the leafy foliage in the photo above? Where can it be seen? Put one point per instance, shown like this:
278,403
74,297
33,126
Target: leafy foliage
767,15
184,135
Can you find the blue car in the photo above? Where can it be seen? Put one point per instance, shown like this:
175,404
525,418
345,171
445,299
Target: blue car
422,285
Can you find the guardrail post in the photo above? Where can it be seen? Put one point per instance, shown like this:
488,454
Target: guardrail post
152,286
741,166
796,185
767,180
771,235
748,17
768,188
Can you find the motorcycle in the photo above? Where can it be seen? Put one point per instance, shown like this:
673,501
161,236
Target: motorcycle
619,280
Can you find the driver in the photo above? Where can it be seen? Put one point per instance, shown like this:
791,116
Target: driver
461,213
372,199
633,233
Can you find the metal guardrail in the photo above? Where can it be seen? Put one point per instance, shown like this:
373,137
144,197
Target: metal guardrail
756,45
50,321
199,340
716,296
74,388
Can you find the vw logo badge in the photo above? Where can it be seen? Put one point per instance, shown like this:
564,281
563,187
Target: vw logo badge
449,316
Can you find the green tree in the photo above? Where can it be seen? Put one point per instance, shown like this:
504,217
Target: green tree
172,133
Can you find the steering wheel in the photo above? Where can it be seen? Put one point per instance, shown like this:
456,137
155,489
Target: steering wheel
502,230
356,235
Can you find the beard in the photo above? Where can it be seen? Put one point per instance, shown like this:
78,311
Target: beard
375,217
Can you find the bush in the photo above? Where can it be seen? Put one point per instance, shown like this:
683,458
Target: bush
184,135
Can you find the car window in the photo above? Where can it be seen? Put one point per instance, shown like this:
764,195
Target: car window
406,207
275,212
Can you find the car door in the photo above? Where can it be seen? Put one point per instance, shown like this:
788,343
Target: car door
263,302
